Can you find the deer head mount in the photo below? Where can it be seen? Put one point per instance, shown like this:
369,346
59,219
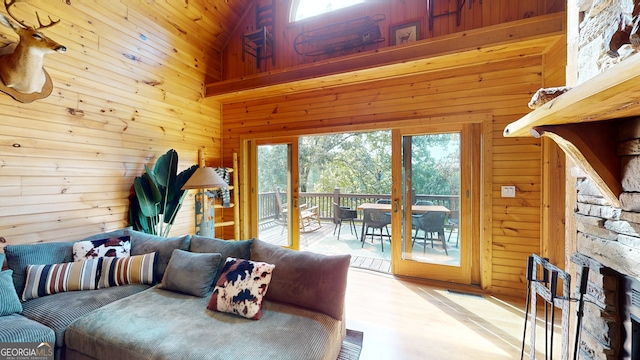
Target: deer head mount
22,73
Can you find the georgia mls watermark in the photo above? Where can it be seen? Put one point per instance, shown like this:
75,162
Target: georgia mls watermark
26,351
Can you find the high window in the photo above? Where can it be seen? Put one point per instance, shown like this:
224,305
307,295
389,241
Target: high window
303,9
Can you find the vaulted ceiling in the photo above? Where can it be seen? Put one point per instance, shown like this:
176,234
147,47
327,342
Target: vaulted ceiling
218,18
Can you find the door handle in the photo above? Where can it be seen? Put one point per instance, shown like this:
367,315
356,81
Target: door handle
395,206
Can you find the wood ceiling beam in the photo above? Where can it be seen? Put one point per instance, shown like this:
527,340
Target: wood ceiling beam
478,45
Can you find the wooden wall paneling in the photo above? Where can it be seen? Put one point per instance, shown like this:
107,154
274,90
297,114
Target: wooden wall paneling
440,24
479,15
553,206
10,185
496,11
555,61
459,49
528,8
69,160
436,89
207,59
153,54
510,239
553,166
509,10
197,51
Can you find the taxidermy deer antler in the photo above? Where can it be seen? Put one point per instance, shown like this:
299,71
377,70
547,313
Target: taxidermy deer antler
23,69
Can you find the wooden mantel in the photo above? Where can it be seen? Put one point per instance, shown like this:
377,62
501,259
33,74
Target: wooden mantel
583,122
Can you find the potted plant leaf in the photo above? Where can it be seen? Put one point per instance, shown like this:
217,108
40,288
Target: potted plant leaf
158,195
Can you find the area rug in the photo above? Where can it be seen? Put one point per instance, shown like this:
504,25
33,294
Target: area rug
351,346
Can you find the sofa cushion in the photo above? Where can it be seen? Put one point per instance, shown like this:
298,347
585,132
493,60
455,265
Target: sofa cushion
306,279
138,269
17,328
241,287
240,249
130,329
42,280
109,246
59,310
19,256
142,243
191,273
9,302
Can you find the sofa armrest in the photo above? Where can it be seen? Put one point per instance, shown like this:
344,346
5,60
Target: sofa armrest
307,279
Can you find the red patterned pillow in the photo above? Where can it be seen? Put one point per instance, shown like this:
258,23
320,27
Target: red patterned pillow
241,287
44,280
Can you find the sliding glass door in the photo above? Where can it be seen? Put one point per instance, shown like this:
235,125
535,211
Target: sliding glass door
276,195
432,203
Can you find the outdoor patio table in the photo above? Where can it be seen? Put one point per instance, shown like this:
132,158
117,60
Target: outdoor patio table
419,209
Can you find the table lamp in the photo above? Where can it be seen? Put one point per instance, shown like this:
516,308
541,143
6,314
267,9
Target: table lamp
205,178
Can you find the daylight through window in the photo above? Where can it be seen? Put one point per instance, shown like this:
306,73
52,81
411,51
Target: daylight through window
308,8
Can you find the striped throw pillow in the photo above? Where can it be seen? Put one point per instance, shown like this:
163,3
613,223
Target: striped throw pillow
138,269
44,280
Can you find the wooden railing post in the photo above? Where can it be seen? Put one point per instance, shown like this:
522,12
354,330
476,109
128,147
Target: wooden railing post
275,204
336,199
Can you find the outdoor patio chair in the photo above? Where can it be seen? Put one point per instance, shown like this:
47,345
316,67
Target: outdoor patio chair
309,217
431,222
345,213
384,201
452,223
416,216
375,219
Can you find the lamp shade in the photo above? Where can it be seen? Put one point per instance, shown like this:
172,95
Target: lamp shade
205,177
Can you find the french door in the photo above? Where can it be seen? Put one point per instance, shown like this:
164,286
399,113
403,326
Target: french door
275,188
433,201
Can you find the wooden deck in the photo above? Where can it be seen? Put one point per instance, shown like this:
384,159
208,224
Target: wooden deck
368,255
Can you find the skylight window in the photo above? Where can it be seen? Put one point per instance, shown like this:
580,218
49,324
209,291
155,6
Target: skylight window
308,8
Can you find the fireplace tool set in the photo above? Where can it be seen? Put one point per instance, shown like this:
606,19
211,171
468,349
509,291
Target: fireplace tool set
543,280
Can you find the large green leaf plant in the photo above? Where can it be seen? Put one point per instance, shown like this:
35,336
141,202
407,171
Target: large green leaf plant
158,195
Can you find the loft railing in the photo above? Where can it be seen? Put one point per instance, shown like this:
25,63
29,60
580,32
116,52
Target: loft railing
268,206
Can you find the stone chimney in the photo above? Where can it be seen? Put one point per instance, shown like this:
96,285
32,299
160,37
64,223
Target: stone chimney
608,236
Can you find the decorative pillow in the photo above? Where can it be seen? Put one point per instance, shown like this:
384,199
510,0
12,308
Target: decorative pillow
109,234
44,280
137,269
240,249
142,243
241,287
190,273
111,247
19,256
9,302
307,279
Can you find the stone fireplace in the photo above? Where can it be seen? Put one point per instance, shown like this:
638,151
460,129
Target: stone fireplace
608,234
597,125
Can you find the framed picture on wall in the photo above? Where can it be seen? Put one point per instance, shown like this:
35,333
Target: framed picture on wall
405,32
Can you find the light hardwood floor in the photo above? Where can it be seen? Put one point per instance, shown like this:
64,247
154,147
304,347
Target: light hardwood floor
411,320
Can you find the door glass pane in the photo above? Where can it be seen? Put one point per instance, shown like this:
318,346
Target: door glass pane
274,193
431,198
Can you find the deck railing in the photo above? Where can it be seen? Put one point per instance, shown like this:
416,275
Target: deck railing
268,206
